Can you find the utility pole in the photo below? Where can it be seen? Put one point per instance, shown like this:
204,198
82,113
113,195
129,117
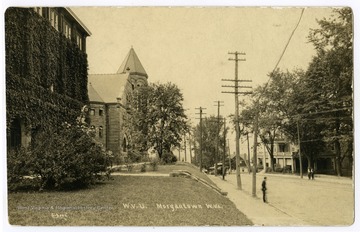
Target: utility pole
300,161
190,147
255,154
185,145
248,145
223,162
201,137
217,136
229,156
237,127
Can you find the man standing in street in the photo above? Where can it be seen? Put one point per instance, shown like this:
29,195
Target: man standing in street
263,188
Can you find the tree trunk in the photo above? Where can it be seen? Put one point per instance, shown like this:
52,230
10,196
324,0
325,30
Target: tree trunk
338,158
309,161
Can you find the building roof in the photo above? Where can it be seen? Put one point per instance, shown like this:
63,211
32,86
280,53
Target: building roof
82,25
93,94
108,87
132,65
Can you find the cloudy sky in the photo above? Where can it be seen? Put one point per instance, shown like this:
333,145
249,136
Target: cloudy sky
189,46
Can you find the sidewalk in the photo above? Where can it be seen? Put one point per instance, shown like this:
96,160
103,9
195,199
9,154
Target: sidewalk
317,177
261,214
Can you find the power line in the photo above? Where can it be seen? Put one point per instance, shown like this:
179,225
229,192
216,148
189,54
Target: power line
236,93
287,44
257,111
326,111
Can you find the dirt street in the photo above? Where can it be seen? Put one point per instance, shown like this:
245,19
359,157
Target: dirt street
325,201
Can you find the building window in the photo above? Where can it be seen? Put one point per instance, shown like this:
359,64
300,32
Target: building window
282,147
100,131
101,112
124,145
332,147
14,140
93,129
38,10
92,112
54,19
78,39
67,29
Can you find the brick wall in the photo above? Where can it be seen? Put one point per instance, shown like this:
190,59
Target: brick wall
97,115
114,132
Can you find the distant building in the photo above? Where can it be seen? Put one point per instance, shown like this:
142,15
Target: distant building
46,70
64,20
284,152
286,155
109,96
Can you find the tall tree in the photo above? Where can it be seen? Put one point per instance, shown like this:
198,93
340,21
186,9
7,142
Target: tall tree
329,81
318,100
157,118
211,133
166,117
273,107
135,125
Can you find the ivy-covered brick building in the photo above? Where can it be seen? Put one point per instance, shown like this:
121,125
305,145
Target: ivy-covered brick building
46,70
110,99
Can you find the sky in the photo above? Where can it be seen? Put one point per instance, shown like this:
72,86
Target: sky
189,46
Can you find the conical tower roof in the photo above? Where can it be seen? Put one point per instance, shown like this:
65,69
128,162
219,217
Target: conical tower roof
132,65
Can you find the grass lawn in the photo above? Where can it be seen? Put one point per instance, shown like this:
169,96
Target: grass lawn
128,201
169,168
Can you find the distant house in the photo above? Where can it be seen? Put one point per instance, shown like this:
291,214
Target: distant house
110,96
286,154
46,70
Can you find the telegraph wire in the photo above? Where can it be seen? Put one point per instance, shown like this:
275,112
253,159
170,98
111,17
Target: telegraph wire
287,44
257,112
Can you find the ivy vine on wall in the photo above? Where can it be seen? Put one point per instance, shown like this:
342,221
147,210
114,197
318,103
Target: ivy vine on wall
46,73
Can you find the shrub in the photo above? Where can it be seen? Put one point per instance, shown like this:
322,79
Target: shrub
19,174
154,164
17,164
68,158
134,156
143,167
60,157
129,167
168,158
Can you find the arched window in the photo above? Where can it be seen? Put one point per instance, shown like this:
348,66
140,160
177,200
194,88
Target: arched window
124,145
100,131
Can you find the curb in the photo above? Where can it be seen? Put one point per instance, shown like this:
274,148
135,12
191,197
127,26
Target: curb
187,174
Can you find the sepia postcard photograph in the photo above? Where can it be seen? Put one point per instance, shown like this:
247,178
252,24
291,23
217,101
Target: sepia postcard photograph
179,116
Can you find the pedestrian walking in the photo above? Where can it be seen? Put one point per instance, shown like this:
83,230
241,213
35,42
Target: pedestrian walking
263,188
310,173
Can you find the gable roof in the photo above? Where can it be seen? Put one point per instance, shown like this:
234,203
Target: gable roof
132,65
93,94
74,16
108,87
